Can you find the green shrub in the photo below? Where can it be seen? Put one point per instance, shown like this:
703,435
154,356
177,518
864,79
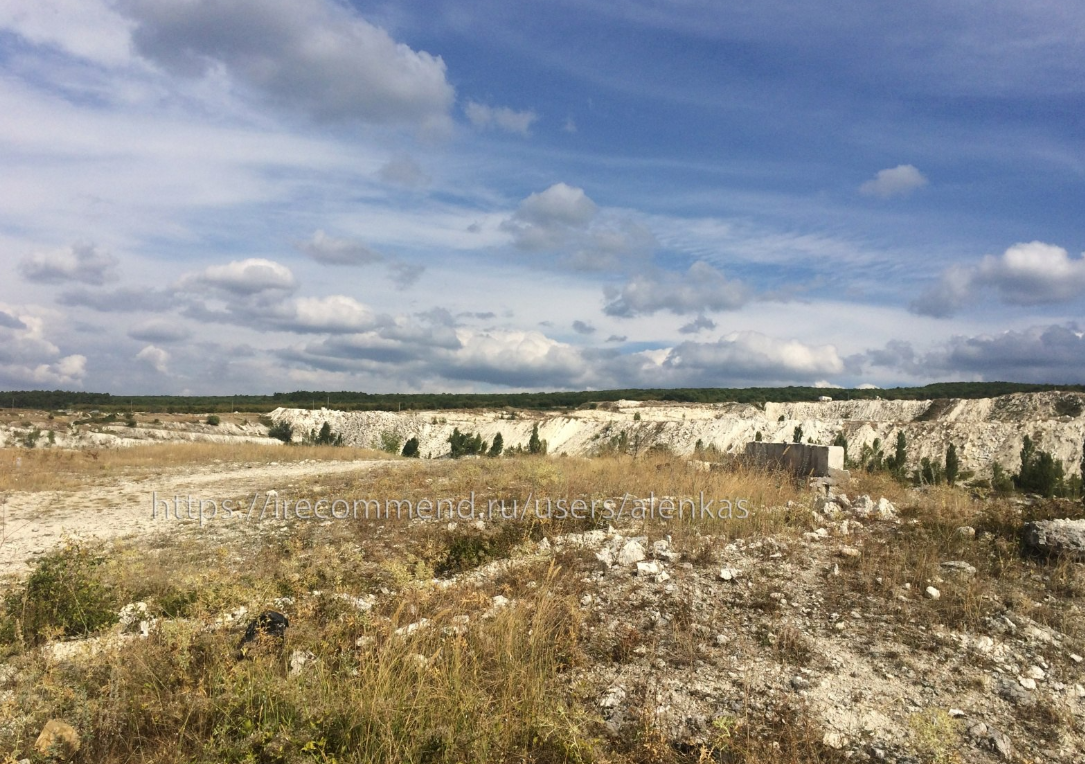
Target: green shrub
390,442
410,448
214,420
63,596
283,431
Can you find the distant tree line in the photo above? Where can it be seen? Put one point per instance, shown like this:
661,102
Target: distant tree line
359,401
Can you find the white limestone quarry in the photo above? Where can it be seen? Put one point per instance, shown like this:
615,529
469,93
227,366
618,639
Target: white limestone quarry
985,431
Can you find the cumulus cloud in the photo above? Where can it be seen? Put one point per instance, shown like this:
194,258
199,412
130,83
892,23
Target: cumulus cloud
1031,273
332,251
582,327
547,219
28,358
499,117
701,323
319,57
565,220
242,277
701,288
895,181
751,356
82,263
159,331
155,357
1041,354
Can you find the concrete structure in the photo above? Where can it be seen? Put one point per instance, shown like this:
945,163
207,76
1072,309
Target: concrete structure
801,458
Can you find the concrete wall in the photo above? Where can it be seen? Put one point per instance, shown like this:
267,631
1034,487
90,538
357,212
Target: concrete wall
800,458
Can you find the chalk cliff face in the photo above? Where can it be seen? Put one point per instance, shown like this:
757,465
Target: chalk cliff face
985,431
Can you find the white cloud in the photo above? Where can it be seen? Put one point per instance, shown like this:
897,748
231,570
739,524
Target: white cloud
80,262
315,56
560,204
752,355
336,313
27,357
1041,354
332,251
1031,273
155,357
500,117
243,277
896,181
702,288
88,29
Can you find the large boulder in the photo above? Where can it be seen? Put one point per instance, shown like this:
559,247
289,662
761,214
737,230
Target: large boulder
1057,537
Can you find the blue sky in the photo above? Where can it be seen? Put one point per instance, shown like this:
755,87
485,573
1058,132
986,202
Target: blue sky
261,195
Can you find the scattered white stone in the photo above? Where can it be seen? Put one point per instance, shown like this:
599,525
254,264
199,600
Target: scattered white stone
959,566
728,574
967,531
886,510
662,577
849,551
411,628
544,546
299,659
834,740
1027,682
652,568
631,553
932,593
1076,658
613,697
1037,673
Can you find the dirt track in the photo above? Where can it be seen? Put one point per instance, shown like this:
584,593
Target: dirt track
117,507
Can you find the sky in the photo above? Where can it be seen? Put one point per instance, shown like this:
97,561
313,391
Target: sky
250,196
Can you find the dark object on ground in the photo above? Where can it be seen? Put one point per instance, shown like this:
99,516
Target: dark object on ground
267,630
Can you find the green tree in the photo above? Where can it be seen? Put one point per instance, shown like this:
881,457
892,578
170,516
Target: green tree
1040,472
797,435
534,444
952,465
498,445
410,448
